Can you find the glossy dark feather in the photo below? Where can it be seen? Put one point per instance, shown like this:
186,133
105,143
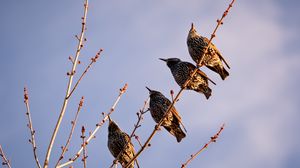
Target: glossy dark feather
159,104
117,140
182,71
212,59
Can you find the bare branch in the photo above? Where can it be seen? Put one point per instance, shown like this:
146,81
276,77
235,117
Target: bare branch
93,60
172,94
66,99
140,118
137,138
92,135
156,128
29,125
65,148
84,156
212,139
5,160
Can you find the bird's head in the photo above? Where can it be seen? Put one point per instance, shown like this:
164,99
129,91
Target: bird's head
153,92
193,30
171,61
112,126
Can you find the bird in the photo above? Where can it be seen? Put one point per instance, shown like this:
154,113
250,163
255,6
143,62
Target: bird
212,59
158,106
182,71
119,141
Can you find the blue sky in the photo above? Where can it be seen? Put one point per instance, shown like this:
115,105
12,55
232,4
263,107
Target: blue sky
259,102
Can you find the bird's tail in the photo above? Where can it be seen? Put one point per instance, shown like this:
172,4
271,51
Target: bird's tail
130,166
179,134
220,70
223,73
205,90
176,131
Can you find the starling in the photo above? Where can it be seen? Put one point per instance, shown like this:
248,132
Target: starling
212,60
120,141
158,107
182,71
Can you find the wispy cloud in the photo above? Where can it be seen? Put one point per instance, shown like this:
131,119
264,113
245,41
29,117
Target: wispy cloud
258,102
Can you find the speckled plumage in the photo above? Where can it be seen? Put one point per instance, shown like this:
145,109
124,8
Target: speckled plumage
158,106
181,72
213,59
117,139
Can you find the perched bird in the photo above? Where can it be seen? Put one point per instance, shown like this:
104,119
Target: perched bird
158,106
213,59
182,71
117,140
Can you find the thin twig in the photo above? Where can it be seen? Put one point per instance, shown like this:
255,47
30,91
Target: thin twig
137,138
71,75
29,125
5,160
84,156
65,148
98,125
71,59
140,117
212,139
172,96
213,35
139,114
93,60
156,128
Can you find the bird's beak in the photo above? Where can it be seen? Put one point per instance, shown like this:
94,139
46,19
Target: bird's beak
149,89
109,119
192,26
163,59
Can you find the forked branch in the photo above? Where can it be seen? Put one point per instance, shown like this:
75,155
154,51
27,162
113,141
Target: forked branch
71,75
98,126
93,60
65,148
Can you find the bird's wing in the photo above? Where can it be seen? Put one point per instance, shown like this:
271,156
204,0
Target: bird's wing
116,146
127,138
162,109
205,76
176,114
206,40
191,69
201,41
129,149
219,54
167,103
